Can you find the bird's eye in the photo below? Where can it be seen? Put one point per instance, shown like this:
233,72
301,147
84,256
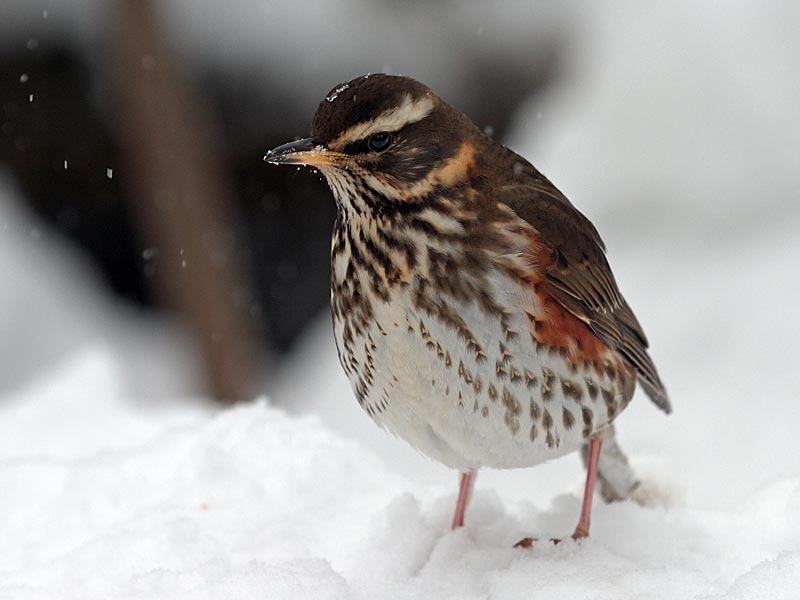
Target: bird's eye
379,142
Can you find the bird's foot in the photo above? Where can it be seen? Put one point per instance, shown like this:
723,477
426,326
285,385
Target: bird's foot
581,531
527,543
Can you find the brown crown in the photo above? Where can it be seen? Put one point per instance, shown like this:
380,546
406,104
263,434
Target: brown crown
360,100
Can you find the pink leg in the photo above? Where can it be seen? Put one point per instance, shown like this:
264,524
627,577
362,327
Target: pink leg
582,530
466,483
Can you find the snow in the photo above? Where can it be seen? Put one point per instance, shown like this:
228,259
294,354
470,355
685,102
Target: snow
107,495
105,500
116,481
51,305
336,92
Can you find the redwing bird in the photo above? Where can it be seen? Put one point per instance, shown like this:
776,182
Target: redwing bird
474,310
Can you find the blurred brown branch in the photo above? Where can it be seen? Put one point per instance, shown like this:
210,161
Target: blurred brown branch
182,201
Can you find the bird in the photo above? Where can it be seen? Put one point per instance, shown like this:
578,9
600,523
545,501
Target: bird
474,310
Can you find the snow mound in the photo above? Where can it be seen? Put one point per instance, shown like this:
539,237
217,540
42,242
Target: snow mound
249,502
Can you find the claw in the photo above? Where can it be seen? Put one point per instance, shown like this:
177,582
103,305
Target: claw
527,543
580,533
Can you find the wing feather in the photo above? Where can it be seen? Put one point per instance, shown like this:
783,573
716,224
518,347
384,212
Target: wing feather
580,278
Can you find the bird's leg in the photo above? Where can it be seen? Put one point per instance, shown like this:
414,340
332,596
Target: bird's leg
466,483
582,530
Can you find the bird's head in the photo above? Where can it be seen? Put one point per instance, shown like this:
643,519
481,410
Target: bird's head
386,137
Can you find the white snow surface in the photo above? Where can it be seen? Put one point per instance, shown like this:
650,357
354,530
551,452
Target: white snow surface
684,152
250,502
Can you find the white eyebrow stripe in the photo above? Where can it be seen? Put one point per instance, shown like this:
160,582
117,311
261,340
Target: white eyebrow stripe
409,111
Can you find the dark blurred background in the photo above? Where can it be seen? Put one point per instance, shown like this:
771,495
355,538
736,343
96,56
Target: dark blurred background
136,130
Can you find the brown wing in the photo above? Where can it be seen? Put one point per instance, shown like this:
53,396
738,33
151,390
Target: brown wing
580,278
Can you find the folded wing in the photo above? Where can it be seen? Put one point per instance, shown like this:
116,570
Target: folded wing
580,279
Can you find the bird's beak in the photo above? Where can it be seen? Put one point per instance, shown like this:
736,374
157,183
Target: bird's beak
303,152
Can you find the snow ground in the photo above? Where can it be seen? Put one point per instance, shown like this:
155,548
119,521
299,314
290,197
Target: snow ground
114,485
111,501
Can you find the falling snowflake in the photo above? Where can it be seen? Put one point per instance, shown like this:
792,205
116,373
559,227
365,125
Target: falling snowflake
337,91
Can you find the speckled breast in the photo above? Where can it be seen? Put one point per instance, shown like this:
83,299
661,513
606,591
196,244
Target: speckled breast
459,365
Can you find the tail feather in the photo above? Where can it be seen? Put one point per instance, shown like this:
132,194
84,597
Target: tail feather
634,350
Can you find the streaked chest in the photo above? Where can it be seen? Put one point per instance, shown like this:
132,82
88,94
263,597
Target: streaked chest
438,340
